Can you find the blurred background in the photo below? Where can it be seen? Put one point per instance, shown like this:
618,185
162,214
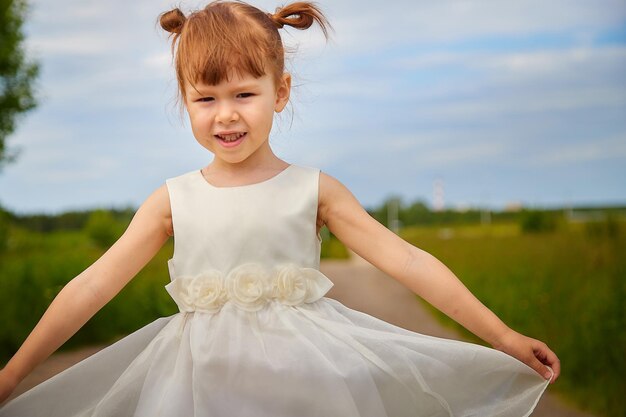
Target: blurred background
491,134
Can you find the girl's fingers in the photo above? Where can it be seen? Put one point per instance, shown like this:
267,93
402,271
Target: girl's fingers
553,361
544,357
533,353
540,368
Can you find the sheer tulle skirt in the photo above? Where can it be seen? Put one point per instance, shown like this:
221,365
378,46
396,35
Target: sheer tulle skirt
319,359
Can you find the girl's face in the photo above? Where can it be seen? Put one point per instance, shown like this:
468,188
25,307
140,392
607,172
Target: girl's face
233,119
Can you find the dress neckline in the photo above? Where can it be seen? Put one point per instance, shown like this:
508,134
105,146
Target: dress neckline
199,174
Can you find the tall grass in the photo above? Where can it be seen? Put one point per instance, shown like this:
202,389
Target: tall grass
37,266
566,288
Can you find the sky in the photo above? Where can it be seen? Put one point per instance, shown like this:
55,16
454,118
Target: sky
500,102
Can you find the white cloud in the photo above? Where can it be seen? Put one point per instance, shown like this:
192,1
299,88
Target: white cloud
533,101
94,168
412,142
541,62
445,148
555,62
517,83
79,43
407,21
160,62
592,149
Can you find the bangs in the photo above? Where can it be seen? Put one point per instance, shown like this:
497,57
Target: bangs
217,43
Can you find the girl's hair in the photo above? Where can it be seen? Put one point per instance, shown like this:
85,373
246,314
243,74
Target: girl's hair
228,36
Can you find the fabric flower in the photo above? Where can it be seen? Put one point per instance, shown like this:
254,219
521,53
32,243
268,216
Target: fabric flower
248,286
207,291
289,285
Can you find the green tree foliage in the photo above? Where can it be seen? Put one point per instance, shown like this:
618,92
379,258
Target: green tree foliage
534,221
16,73
419,213
4,229
69,220
102,228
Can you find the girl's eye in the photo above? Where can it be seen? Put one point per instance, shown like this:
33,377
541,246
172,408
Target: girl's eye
205,99
245,95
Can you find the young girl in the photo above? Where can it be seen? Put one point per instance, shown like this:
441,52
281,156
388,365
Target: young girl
255,335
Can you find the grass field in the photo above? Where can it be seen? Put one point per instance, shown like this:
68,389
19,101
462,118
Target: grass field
37,266
566,288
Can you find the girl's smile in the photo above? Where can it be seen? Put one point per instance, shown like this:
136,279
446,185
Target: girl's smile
230,140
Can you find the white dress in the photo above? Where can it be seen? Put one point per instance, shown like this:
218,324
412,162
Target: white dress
256,337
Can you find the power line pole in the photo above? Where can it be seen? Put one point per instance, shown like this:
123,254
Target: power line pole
438,194
392,215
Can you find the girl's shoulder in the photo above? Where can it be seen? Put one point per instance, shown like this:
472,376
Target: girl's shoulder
333,196
330,185
159,204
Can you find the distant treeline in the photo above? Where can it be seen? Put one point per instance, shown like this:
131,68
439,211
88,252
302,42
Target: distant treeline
69,220
413,214
419,214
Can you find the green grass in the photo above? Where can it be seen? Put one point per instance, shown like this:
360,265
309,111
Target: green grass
565,288
332,248
37,266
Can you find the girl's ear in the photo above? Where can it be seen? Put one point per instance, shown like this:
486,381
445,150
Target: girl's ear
282,92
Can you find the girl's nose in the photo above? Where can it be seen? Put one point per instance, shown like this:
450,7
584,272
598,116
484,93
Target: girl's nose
226,113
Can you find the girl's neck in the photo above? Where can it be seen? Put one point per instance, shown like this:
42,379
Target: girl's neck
248,168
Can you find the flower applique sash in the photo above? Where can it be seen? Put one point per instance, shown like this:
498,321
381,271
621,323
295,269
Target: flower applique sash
249,286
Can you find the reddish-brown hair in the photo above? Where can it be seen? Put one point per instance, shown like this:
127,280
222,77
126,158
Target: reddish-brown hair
228,36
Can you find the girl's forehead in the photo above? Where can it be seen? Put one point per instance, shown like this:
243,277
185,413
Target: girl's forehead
234,80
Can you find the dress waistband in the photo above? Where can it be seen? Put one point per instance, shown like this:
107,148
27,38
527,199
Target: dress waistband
249,286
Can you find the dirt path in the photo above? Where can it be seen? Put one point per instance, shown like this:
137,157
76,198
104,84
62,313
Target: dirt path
376,294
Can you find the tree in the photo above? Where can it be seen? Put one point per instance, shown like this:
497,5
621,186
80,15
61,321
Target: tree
102,228
16,73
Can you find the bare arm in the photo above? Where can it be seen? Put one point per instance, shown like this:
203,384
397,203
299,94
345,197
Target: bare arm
88,292
417,270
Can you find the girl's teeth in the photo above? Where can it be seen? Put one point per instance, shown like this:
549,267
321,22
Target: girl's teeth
231,137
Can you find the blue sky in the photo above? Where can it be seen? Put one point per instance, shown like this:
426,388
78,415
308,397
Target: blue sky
516,101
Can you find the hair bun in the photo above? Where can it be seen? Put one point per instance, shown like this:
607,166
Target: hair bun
172,21
279,25
300,15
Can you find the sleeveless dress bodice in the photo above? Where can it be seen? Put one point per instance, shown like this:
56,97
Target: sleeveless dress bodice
250,244
273,221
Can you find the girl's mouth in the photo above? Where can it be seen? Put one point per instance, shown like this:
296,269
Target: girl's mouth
231,140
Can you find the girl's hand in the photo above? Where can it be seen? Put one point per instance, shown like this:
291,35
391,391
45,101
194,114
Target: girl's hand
532,352
7,385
